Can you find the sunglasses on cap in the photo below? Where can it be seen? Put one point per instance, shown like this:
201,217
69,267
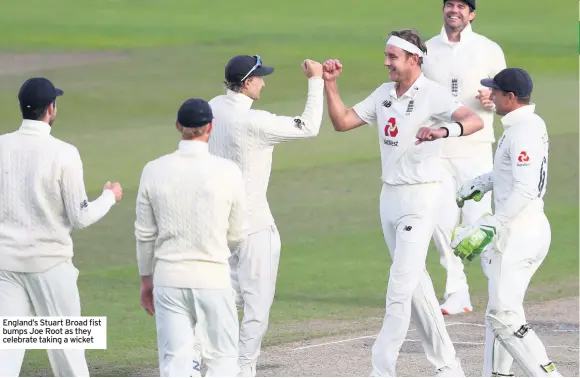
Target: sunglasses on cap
256,66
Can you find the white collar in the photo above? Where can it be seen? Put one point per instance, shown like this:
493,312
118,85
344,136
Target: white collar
465,34
240,98
515,116
29,126
412,89
193,146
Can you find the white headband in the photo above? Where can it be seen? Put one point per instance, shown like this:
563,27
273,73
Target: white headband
405,45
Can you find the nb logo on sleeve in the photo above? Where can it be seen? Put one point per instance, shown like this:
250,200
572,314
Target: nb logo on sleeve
84,204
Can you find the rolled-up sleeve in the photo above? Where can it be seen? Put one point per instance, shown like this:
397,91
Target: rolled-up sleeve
273,129
145,227
80,211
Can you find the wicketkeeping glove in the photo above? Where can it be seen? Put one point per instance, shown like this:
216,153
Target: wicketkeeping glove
470,242
475,189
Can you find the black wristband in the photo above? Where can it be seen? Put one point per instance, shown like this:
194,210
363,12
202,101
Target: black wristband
461,126
446,129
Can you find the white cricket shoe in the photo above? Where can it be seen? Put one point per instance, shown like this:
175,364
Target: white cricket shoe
248,370
457,303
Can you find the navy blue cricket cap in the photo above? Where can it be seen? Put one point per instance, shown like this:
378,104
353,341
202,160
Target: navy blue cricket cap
471,3
194,112
241,67
514,80
38,92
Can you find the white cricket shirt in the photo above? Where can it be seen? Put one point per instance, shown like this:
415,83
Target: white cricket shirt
520,171
459,67
247,137
42,198
190,217
398,119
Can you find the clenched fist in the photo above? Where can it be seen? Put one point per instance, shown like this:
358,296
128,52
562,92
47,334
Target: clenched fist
484,98
332,69
427,134
115,187
311,68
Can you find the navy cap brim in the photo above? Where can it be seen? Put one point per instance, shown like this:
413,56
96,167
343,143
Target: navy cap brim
490,83
59,92
263,71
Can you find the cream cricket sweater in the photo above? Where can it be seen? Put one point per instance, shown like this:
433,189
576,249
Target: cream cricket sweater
247,137
42,198
190,217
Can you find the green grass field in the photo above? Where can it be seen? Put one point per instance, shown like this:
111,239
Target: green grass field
324,192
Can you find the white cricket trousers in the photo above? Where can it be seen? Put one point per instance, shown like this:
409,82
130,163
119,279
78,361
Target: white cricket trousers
509,273
50,293
408,218
177,311
254,270
460,170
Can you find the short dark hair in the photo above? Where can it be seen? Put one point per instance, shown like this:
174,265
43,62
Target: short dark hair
411,36
34,114
521,100
234,86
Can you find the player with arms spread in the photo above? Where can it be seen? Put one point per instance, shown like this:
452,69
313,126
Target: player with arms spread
404,109
511,252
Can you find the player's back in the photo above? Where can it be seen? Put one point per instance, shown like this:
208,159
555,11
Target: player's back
32,212
521,160
191,194
235,137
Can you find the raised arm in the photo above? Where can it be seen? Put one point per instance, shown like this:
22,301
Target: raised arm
80,211
342,118
273,129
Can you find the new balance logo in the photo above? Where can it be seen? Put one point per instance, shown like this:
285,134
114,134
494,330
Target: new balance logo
408,228
387,103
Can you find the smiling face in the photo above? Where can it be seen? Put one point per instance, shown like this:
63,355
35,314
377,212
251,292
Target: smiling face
399,63
253,86
457,15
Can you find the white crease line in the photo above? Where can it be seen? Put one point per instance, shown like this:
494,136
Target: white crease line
411,340
364,337
335,342
474,343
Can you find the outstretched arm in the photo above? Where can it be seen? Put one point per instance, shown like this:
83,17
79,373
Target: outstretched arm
342,118
80,211
273,129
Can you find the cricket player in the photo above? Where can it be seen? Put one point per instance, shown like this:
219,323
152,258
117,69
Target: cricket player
513,242
43,198
458,58
402,111
190,217
247,137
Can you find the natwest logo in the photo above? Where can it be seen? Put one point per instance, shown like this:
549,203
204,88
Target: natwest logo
391,129
523,159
